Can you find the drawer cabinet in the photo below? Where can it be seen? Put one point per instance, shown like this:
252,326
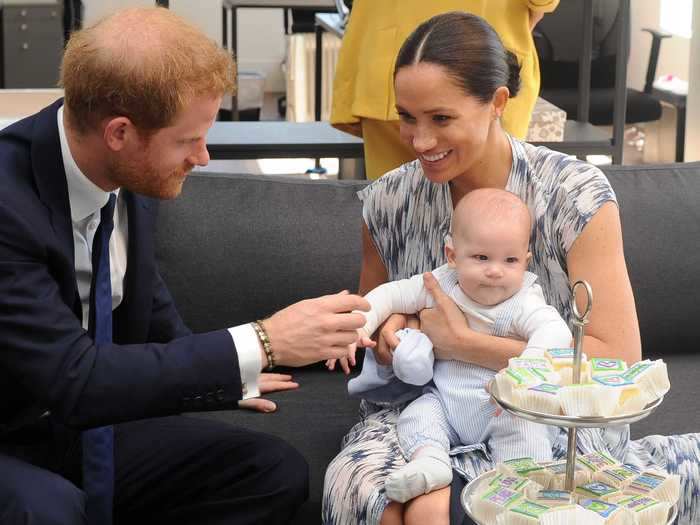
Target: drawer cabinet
32,45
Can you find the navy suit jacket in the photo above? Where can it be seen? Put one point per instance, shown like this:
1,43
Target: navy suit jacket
155,367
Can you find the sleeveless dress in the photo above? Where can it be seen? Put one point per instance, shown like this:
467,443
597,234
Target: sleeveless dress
408,217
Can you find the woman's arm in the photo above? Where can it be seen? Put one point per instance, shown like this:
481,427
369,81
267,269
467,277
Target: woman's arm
372,274
452,338
597,256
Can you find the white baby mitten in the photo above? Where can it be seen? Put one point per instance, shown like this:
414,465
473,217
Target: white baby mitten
413,358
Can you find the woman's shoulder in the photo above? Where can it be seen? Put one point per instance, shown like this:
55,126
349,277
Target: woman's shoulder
555,171
396,186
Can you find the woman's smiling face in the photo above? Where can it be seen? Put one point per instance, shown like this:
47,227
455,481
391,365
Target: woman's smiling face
447,129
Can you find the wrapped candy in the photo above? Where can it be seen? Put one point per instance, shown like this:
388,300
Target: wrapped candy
657,485
597,461
525,467
601,367
609,513
536,363
553,498
527,512
488,505
510,379
619,476
562,360
525,486
596,490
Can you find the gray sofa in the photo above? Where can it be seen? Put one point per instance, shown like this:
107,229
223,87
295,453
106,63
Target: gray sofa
234,248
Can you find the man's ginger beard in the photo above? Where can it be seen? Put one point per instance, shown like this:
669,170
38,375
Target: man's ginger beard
142,177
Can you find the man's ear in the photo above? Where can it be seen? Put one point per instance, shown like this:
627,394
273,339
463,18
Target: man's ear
450,255
116,132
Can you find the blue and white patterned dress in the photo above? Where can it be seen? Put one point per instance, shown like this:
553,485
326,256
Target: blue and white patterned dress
408,217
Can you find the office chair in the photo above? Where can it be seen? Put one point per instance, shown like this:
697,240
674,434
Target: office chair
558,49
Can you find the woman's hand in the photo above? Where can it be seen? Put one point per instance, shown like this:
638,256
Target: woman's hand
268,383
534,18
386,336
445,324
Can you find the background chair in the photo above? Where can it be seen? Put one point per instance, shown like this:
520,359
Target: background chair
559,54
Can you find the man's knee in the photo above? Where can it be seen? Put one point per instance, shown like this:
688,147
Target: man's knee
55,501
290,471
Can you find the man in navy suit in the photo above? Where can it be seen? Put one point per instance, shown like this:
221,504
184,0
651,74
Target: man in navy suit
142,88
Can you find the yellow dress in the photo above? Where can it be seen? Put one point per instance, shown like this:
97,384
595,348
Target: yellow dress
363,89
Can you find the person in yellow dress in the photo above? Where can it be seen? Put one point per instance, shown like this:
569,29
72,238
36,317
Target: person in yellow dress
363,89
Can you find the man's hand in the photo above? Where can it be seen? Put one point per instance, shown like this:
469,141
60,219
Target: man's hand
445,324
315,329
268,383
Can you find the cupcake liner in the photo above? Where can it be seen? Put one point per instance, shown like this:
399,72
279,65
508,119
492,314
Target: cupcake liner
542,398
589,400
651,376
646,510
558,471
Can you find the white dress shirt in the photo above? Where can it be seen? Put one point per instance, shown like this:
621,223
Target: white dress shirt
86,200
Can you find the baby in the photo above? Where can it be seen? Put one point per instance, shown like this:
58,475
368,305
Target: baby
485,275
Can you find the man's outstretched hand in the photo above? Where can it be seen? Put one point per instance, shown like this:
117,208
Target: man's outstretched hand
315,329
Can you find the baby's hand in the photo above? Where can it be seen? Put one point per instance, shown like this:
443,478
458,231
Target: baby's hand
362,340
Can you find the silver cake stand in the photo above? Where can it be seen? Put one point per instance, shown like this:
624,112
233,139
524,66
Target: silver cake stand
569,422
474,487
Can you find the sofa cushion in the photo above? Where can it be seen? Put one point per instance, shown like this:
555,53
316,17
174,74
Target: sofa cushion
235,248
661,231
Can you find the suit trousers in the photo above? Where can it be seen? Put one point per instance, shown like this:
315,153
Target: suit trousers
176,469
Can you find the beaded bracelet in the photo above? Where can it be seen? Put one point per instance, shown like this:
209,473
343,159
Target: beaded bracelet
265,340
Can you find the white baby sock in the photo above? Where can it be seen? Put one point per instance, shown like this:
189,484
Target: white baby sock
430,469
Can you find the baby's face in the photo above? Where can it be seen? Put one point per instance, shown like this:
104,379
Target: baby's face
490,261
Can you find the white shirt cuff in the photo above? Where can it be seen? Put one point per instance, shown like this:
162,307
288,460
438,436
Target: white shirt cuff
248,347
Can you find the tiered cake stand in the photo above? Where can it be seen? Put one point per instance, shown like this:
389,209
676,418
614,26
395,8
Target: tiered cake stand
569,422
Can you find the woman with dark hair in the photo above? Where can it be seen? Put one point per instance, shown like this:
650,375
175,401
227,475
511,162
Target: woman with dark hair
363,95
453,78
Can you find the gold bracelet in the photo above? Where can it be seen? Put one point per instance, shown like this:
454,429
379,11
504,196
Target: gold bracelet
265,341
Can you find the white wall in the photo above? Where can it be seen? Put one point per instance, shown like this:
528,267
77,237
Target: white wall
674,57
261,39
692,134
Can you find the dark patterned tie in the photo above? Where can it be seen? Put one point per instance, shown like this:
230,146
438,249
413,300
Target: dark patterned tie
98,443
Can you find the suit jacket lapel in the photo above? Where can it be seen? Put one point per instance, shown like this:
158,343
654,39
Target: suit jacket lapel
50,177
